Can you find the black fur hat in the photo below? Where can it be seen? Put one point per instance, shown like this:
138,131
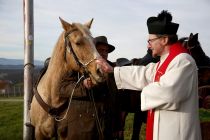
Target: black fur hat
162,24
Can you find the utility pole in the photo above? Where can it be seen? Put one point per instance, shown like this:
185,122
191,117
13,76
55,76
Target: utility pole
28,65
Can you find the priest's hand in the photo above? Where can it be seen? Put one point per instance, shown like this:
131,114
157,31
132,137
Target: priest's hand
105,67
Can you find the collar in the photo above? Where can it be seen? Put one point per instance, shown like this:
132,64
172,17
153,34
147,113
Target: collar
163,58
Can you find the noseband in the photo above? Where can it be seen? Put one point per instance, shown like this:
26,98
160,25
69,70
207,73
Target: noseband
186,45
69,48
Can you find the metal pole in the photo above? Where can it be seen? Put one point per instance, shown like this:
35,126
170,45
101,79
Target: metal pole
28,65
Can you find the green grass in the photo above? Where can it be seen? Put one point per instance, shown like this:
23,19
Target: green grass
204,115
129,128
10,97
11,121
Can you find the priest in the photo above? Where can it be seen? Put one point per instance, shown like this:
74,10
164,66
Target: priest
169,88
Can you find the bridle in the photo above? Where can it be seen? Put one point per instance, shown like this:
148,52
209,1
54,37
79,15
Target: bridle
70,49
187,46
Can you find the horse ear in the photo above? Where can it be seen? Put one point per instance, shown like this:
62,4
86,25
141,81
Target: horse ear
191,36
66,25
88,24
196,36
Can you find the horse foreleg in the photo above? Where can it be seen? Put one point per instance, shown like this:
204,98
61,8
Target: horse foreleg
39,135
44,132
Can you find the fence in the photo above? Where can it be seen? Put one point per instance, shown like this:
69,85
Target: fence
13,90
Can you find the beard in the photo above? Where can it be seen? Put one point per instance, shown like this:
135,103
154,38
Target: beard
149,51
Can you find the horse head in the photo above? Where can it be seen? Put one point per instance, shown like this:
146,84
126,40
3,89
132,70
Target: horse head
192,44
77,51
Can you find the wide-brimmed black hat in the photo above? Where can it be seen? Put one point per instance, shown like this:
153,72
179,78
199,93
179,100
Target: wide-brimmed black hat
162,24
103,40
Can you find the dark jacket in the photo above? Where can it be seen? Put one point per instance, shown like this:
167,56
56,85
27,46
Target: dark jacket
83,105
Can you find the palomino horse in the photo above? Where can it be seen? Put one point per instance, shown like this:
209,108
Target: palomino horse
74,51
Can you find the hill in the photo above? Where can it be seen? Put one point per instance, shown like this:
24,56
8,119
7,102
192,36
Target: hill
6,61
12,69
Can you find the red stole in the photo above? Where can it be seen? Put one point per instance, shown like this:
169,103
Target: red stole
175,50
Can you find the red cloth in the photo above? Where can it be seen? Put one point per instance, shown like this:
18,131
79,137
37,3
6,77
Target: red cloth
175,50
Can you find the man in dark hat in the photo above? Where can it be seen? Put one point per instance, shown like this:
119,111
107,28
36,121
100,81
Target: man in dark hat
104,92
90,111
103,46
169,88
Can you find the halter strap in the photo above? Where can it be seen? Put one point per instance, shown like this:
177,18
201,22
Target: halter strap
71,50
186,45
54,112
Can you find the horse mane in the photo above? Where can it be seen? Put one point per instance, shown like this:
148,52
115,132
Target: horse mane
57,57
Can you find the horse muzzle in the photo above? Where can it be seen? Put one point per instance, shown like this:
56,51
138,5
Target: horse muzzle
97,78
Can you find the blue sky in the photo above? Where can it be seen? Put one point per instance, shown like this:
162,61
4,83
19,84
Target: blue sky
122,21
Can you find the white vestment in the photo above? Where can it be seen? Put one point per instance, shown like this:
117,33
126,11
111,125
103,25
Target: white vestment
174,98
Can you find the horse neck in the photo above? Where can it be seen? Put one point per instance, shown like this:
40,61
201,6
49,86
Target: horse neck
58,65
199,56
202,60
199,51
49,84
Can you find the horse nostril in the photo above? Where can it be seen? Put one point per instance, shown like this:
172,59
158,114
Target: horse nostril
98,71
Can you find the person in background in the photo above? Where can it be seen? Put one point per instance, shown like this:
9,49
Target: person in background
111,121
129,100
169,87
90,112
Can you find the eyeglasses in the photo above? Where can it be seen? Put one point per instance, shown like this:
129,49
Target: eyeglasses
151,40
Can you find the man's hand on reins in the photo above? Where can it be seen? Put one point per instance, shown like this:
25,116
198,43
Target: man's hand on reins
88,83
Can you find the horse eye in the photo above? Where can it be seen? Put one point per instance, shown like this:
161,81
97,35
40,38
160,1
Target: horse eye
78,43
